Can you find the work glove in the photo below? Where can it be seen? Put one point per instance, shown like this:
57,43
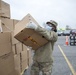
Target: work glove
31,25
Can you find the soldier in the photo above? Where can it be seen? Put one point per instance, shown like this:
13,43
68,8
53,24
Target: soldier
42,60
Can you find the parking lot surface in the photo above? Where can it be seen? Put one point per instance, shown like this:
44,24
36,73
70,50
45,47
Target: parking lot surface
64,59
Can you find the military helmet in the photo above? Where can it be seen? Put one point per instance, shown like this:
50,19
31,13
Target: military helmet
52,22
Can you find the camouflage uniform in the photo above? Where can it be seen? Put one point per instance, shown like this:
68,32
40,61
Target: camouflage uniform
46,68
42,60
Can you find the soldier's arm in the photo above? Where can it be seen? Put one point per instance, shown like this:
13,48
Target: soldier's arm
51,36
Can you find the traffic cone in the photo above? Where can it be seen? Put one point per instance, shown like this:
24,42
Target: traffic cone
66,42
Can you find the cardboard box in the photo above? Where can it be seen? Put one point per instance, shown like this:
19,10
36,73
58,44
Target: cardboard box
5,48
24,65
24,47
0,3
7,23
14,72
14,49
20,65
15,21
14,40
5,43
0,26
23,55
4,9
28,36
21,24
6,64
5,29
30,57
17,63
5,37
24,59
18,48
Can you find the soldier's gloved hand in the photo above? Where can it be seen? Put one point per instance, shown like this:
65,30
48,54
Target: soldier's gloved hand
31,25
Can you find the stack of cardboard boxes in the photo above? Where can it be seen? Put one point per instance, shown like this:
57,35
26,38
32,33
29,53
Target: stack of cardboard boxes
6,55
13,54
4,9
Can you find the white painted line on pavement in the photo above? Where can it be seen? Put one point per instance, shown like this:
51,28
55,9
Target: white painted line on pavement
69,64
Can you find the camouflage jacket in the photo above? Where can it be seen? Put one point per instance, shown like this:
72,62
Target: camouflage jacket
44,53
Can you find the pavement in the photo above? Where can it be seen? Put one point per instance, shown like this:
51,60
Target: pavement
64,59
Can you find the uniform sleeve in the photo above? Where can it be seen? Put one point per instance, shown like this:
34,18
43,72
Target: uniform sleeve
51,36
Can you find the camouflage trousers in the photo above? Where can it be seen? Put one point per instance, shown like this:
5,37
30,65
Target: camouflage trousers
46,68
